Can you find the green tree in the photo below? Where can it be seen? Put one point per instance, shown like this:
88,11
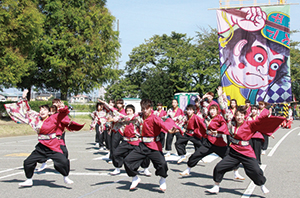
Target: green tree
164,65
121,89
20,27
79,48
206,73
295,68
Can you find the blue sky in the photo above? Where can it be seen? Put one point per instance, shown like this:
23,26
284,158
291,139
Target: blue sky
141,19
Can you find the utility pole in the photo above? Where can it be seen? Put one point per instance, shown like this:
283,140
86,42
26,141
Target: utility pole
118,41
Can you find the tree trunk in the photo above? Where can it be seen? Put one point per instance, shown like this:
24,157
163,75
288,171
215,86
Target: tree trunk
29,94
64,95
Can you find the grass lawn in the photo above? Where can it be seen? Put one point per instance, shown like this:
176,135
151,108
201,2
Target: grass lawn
10,128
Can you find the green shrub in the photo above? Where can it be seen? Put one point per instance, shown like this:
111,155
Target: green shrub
84,107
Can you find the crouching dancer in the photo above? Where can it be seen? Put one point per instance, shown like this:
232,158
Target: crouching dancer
240,149
150,145
48,146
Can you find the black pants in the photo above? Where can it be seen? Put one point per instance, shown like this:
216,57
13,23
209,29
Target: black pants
169,140
116,138
41,154
256,144
134,160
182,141
122,151
162,138
233,159
265,143
64,150
206,149
99,138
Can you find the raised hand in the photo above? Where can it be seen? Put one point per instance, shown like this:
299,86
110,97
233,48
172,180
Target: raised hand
25,92
255,19
219,91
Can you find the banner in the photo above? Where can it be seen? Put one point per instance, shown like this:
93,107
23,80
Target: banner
254,47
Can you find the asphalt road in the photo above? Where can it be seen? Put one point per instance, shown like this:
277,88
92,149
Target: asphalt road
90,172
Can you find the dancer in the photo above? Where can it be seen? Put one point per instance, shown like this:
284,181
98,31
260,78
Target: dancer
99,120
257,139
176,114
212,141
150,146
48,146
206,101
160,113
198,108
261,106
248,107
190,132
65,124
240,149
131,139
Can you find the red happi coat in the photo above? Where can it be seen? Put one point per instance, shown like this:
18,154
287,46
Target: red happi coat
161,113
268,125
258,134
149,127
132,131
219,124
196,124
152,127
248,112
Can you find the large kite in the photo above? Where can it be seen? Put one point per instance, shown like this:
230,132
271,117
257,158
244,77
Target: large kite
254,53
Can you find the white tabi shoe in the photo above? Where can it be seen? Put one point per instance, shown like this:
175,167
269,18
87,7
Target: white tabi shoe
147,172
238,176
28,182
67,180
264,189
162,184
109,162
116,172
263,152
214,190
168,154
43,166
186,172
97,144
135,181
101,148
181,159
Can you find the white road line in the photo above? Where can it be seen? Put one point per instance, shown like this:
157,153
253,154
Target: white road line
11,169
18,173
280,141
86,174
251,186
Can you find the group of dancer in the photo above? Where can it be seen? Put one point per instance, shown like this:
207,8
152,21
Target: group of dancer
205,124
136,139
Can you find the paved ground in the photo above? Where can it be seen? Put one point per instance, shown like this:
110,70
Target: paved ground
90,172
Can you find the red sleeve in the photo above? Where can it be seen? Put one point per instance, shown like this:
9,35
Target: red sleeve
62,113
166,126
266,125
223,128
74,126
201,126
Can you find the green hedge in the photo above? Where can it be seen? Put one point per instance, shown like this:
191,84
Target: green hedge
84,107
